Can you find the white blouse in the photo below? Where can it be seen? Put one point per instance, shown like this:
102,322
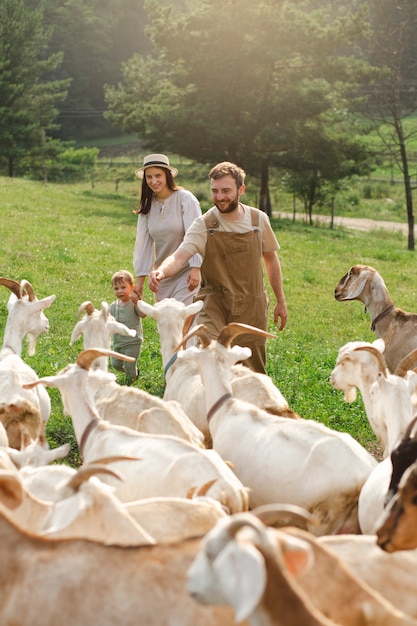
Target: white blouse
160,232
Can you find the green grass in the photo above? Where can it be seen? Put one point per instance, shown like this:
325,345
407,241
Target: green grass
68,241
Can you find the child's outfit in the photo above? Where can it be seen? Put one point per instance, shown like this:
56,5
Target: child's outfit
128,314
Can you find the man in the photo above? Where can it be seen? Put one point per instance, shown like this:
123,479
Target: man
233,239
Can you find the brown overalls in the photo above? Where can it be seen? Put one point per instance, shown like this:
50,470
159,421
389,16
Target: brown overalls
232,285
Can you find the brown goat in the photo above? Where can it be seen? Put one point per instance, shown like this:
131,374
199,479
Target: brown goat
397,327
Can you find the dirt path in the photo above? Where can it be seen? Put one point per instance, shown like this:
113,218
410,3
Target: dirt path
350,222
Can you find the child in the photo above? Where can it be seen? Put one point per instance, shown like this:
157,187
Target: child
126,312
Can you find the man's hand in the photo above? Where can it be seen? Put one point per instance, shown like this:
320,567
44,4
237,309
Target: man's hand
280,312
194,278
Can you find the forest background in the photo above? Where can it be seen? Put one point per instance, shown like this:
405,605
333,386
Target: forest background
306,95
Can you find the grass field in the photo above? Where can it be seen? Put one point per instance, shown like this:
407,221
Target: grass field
69,239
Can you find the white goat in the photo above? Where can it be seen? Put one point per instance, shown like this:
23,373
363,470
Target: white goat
393,400
397,327
144,412
97,328
25,318
86,508
129,406
282,578
168,465
67,582
300,462
358,366
389,409
183,382
166,519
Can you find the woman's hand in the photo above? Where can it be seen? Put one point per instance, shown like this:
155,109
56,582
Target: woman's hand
154,279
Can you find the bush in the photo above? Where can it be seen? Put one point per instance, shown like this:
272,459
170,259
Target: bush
72,165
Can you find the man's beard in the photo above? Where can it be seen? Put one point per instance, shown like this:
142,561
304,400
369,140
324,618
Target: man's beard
233,205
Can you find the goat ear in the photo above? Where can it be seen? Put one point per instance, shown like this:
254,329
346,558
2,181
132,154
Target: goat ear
47,381
77,332
240,570
11,490
146,308
240,353
45,302
194,307
105,309
297,554
357,286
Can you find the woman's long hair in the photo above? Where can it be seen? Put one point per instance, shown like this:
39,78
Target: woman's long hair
147,193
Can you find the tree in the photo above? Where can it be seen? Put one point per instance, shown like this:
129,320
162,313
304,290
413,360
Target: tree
228,84
326,154
392,97
95,37
27,100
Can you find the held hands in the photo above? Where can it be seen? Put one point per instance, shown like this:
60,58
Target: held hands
134,296
137,291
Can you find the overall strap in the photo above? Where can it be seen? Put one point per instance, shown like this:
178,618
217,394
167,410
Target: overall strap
254,213
211,222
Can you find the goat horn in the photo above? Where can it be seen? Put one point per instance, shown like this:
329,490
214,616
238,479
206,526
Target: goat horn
86,306
105,309
229,332
26,286
406,363
239,521
114,459
201,331
86,357
190,493
381,361
202,491
187,324
284,515
13,285
84,473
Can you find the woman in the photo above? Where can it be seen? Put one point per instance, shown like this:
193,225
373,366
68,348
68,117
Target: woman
165,212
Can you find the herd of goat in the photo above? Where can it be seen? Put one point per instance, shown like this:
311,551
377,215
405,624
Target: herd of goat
216,504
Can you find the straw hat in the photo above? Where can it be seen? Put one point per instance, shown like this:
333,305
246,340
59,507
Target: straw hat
156,160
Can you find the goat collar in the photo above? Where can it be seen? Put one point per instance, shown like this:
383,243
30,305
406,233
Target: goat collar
218,404
170,362
86,434
381,316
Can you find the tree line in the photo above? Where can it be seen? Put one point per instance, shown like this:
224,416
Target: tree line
289,86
